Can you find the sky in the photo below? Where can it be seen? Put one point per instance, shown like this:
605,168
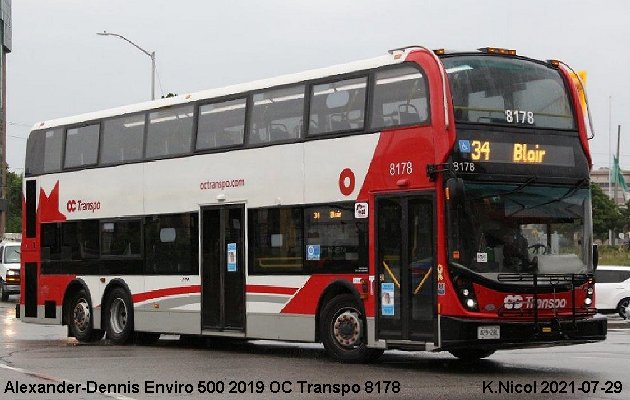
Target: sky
60,67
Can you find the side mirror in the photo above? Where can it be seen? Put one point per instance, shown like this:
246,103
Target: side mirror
595,256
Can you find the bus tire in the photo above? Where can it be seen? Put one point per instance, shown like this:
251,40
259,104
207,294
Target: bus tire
623,308
342,331
119,316
81,319
471,355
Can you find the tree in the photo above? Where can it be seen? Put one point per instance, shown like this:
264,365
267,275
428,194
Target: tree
14,197
606,214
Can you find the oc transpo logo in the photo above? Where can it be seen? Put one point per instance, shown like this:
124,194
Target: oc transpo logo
82,205
513,302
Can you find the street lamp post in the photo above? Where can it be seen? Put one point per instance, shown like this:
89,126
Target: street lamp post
150,54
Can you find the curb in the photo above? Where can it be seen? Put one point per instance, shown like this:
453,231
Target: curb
619,324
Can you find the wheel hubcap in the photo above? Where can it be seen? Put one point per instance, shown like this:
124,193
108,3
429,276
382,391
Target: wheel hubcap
118,315
81,315
347,328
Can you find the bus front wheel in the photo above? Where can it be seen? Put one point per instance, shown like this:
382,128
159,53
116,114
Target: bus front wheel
119,316
81,320
342,330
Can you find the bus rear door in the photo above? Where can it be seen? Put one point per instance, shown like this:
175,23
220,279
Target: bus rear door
405,242
223,275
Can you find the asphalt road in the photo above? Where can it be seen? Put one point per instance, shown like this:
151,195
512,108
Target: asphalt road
42,357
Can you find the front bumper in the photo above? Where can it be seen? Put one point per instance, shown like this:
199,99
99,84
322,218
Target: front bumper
459,333
12,289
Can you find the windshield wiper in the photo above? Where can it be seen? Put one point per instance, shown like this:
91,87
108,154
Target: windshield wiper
569,193
529,181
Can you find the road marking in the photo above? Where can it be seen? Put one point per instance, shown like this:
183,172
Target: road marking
59,380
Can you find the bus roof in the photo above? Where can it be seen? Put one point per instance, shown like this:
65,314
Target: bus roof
389,59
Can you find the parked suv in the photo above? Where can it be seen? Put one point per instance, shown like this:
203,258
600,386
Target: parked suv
612,288
9,269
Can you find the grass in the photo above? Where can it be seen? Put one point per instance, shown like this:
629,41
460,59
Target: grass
614,255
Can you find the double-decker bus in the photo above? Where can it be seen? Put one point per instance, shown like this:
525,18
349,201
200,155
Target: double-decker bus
421,200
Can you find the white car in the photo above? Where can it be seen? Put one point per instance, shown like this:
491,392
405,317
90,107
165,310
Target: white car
612,289
9,269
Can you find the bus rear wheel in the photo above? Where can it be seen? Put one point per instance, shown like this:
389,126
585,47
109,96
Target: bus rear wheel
342,330
119,316
81,320
469,355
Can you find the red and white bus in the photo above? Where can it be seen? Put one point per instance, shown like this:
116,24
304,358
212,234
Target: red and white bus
421,200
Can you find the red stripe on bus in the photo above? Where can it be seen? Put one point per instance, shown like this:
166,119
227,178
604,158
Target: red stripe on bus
158,293
269,289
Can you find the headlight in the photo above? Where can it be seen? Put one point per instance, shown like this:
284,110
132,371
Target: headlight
13,272
472,304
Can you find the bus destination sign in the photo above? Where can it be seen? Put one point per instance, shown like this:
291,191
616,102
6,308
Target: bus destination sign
516,153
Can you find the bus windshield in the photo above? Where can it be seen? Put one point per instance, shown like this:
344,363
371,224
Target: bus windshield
508,228
508,91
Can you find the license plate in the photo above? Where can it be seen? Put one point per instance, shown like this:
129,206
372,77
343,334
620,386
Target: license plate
489,332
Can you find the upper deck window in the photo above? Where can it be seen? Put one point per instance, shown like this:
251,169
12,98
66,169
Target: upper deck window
338,106
170,132
52,150
122,139
81,146
277,115
43,151
507,91
221,124
400,98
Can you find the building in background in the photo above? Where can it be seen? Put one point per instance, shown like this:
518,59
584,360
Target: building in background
601,177
5,47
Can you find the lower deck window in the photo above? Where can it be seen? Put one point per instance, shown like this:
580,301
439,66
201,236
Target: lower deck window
171,244
304,240
121,238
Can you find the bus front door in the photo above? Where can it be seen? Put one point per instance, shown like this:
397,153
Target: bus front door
223,275
405,245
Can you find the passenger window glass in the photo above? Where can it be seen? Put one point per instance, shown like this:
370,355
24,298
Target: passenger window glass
79,240
170,132
81,146
276,240
171,244
337,106
334,240
221,124
50,242
277,115
52,150
121,238
400,98
36,153
122,139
